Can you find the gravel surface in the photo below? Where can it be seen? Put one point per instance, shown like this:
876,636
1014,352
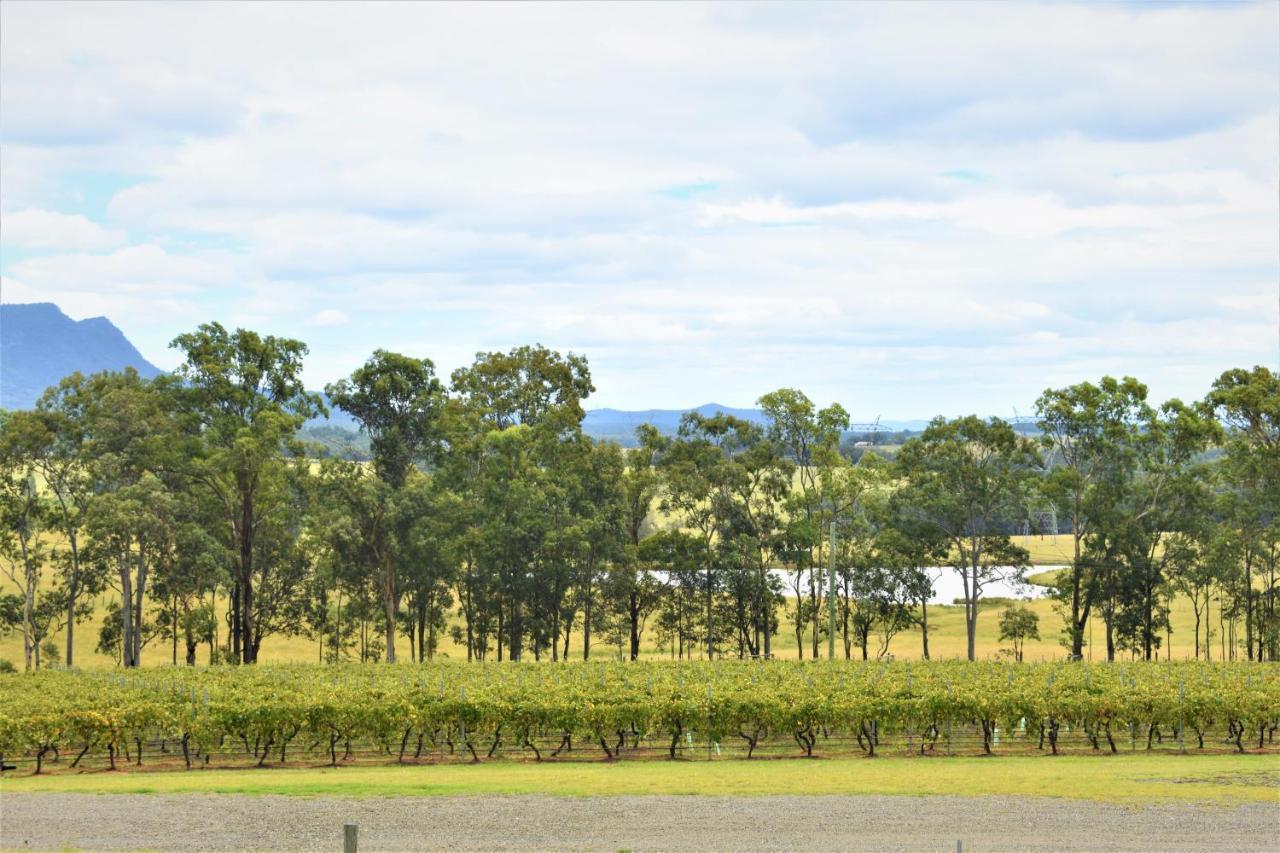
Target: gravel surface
523,822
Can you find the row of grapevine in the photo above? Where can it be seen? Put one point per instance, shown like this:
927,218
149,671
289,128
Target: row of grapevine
269,710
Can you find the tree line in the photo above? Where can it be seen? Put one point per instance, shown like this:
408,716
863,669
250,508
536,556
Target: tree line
486,516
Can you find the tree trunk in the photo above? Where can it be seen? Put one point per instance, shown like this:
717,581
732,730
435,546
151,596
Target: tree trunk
173,627
1248,603
28,605
1111,638
633,614
471,638
711,649
766,614
247,616
502,629
126,609
814,604
139,597
971,610
517,631
234,640
1079,607
586,617
389,601
799,621
424,608
924,627
73,593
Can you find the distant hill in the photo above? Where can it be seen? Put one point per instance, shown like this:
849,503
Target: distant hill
339,431
620,425
39,345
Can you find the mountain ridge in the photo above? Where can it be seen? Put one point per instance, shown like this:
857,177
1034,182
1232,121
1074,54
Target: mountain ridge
39,345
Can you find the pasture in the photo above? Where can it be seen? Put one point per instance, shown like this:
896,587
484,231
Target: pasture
946,630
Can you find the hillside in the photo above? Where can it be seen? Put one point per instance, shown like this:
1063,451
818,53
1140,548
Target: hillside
39,345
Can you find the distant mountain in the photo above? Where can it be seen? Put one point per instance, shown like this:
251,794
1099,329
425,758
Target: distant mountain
620,425
39,345
617,425
337,417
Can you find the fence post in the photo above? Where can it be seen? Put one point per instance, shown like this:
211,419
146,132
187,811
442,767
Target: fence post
349,838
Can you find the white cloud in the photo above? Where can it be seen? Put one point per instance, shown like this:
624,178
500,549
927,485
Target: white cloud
328,317
46,229
903,206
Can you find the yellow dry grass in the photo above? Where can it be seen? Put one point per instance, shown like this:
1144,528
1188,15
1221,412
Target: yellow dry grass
946,637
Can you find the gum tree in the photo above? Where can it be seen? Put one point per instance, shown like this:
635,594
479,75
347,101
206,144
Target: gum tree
961,477
810,438
1089,434
397,401
242,399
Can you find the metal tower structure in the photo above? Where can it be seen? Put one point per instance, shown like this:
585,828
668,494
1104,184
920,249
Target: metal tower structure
873,428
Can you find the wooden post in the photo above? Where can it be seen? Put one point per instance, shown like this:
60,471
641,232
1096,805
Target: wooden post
349,838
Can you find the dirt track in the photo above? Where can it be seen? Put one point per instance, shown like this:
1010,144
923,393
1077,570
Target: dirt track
236,822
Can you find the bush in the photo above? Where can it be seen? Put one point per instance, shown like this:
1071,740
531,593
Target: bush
50,653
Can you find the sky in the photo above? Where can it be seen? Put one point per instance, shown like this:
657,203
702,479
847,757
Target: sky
911,209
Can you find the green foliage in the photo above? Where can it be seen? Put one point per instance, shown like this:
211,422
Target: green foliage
962,478
610,704
10,612
397,401
488,516
1017,625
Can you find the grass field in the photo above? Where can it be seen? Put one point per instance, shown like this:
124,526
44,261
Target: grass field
1226,779
946,630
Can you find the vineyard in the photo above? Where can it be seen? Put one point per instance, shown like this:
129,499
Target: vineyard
314,715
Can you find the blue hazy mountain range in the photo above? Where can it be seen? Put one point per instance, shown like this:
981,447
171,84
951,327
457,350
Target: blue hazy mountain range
39,345
619,424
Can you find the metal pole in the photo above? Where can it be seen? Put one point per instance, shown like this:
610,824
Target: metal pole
349,838
831,598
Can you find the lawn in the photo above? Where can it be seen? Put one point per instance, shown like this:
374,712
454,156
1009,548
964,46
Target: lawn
1141,778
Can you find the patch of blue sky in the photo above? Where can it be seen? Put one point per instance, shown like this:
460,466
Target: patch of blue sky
90,193
11,256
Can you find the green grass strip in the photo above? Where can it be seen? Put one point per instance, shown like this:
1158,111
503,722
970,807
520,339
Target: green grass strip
1218,779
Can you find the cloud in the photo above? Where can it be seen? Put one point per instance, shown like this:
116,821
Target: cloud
328,317
911,208
46,229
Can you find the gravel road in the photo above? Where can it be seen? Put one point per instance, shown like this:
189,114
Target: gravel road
524,822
